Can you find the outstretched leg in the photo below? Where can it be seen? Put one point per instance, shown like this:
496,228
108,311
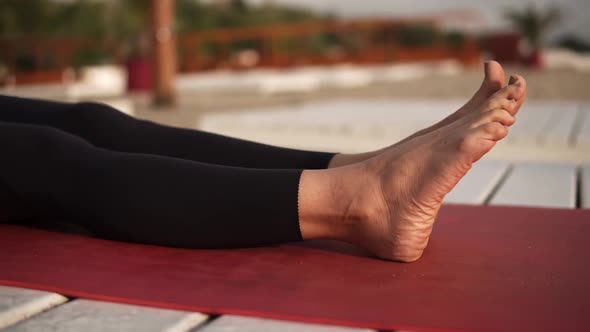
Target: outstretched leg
105,127
55,176
386,204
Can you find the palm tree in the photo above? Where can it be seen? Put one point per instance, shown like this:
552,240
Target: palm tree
534,23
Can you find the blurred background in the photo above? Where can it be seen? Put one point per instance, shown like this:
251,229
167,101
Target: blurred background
330,75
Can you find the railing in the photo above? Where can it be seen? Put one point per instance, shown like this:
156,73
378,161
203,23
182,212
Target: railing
359,41
287,45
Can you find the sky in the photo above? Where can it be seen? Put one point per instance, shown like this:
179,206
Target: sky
576,12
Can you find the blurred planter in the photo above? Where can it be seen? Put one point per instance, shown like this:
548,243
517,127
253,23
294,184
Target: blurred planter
535,60
419,36
455,40
139,74
85,57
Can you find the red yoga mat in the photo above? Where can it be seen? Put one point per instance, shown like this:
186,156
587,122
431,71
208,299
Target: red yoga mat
486,269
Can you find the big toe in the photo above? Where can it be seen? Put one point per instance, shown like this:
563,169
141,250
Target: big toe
494,79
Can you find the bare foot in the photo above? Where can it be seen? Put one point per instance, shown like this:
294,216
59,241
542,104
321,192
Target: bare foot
493,81
388,204
414,178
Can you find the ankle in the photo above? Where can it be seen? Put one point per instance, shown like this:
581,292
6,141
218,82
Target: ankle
331,203
342,159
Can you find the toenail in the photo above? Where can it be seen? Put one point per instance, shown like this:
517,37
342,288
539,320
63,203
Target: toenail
513,79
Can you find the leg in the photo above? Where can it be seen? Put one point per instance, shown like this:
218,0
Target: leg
108,128
386,204
145,198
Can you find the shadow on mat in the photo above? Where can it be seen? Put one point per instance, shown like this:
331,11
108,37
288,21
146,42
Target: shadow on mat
328,246
335,247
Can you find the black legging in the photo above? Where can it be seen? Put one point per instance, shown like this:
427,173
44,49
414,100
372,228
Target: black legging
131,180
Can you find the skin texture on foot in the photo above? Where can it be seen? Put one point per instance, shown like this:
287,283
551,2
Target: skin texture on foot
389,202
494,78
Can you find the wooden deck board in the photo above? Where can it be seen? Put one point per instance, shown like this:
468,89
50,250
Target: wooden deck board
582,139
230,323
558,131
90,316
539,185
479,183
530,122
17,304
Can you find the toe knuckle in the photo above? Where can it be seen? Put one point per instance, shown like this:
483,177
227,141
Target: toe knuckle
493,128
504,131
491,104
504,117
510,120
498,113
466,143
498,130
